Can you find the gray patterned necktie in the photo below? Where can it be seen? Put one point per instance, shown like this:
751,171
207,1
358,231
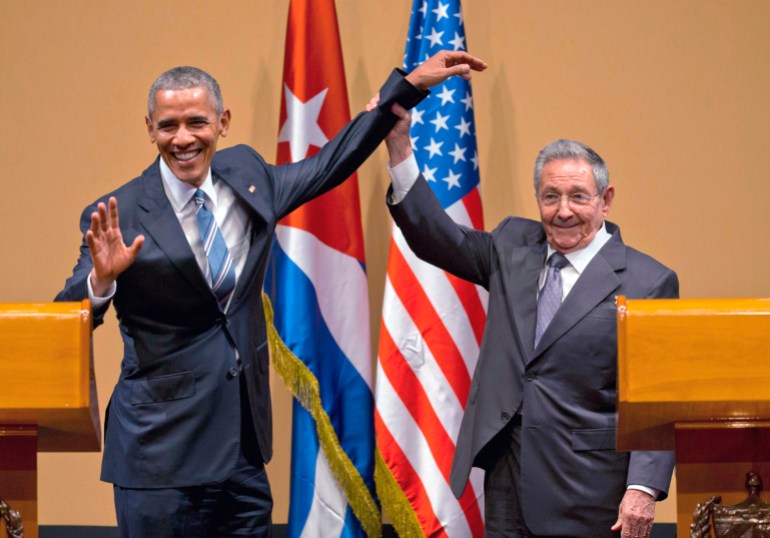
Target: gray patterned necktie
550,296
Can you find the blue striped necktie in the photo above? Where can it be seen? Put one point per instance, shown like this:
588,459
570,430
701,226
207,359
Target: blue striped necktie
550,296
220,262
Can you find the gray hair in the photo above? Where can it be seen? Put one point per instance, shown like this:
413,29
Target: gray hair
572,150
184,78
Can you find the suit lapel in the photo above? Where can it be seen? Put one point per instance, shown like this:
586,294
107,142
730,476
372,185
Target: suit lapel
158,218
247,190
597,282
526,264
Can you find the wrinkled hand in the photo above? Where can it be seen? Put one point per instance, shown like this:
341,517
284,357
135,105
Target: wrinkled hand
109,253
635,515
442,65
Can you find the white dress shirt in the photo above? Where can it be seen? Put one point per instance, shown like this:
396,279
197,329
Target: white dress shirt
231,218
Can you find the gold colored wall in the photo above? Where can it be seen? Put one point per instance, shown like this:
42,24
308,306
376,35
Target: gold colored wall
674,95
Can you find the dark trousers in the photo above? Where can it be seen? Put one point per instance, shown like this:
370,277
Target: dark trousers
239,506
502,510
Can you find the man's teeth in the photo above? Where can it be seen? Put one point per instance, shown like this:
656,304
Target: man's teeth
186,155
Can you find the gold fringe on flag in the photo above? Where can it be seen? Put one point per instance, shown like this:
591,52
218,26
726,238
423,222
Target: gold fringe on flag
303,385
394,502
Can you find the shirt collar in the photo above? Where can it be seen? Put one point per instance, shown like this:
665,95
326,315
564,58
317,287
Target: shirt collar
579,259
179,192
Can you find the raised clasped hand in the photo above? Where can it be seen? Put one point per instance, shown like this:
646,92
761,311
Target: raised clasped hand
442,65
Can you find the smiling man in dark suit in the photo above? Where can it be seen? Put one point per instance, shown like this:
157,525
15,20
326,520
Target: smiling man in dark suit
188,427
541,413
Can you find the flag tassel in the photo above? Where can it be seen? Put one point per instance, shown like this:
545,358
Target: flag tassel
303,386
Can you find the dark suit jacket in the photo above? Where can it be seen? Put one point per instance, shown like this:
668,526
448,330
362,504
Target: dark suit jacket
174,416
572,478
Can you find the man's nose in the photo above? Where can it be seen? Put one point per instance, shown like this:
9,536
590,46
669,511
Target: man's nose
183,137
564,208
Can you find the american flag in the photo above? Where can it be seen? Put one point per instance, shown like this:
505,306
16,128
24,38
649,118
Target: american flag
432,322
317,283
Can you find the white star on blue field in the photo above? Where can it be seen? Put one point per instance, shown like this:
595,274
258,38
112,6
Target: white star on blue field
443,131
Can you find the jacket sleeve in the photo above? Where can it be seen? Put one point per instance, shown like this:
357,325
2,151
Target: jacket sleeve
296,183
435,238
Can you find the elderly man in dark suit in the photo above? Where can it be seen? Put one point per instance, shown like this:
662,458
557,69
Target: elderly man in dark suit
541,413
188,428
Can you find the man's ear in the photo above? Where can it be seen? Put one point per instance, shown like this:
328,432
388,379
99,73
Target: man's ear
607,197
224,123
150,129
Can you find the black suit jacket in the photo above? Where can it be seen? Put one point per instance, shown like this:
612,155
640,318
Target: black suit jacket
572,478
174,416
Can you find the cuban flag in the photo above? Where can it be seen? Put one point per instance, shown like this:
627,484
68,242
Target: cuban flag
432,322
317,284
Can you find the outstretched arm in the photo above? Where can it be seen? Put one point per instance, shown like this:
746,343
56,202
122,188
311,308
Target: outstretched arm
110,255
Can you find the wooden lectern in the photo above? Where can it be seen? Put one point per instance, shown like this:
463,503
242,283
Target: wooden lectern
47,395
694,377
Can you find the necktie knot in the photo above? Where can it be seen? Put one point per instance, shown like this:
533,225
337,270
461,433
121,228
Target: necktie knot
558,261
200,198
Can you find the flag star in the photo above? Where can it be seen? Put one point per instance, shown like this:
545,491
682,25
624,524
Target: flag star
301,129
446,96
459,16
458,42
441,11
434,148
464,127
458,153
413,141
424,8
417,116
429,173
452,180
440,121
475,160
434,37
468,101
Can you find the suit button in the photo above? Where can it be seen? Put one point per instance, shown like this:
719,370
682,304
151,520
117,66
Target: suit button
530,376
504,416
232,373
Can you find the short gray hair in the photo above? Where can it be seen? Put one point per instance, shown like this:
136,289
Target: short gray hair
572,150
184,78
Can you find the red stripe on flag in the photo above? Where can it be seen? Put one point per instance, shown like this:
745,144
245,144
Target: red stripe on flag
474,308
472,203
429,323
407,478
414,398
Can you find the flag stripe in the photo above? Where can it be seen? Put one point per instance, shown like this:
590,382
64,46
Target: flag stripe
432,322
417,403
334,275
438,339
407,477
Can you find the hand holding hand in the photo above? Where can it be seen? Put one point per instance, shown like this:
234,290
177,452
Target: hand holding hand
442,65
635,515
109,253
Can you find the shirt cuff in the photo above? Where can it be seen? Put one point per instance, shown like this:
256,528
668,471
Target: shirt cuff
98,302
403,176
652,491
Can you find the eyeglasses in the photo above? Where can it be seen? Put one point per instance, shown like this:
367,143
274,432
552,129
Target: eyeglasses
576,199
